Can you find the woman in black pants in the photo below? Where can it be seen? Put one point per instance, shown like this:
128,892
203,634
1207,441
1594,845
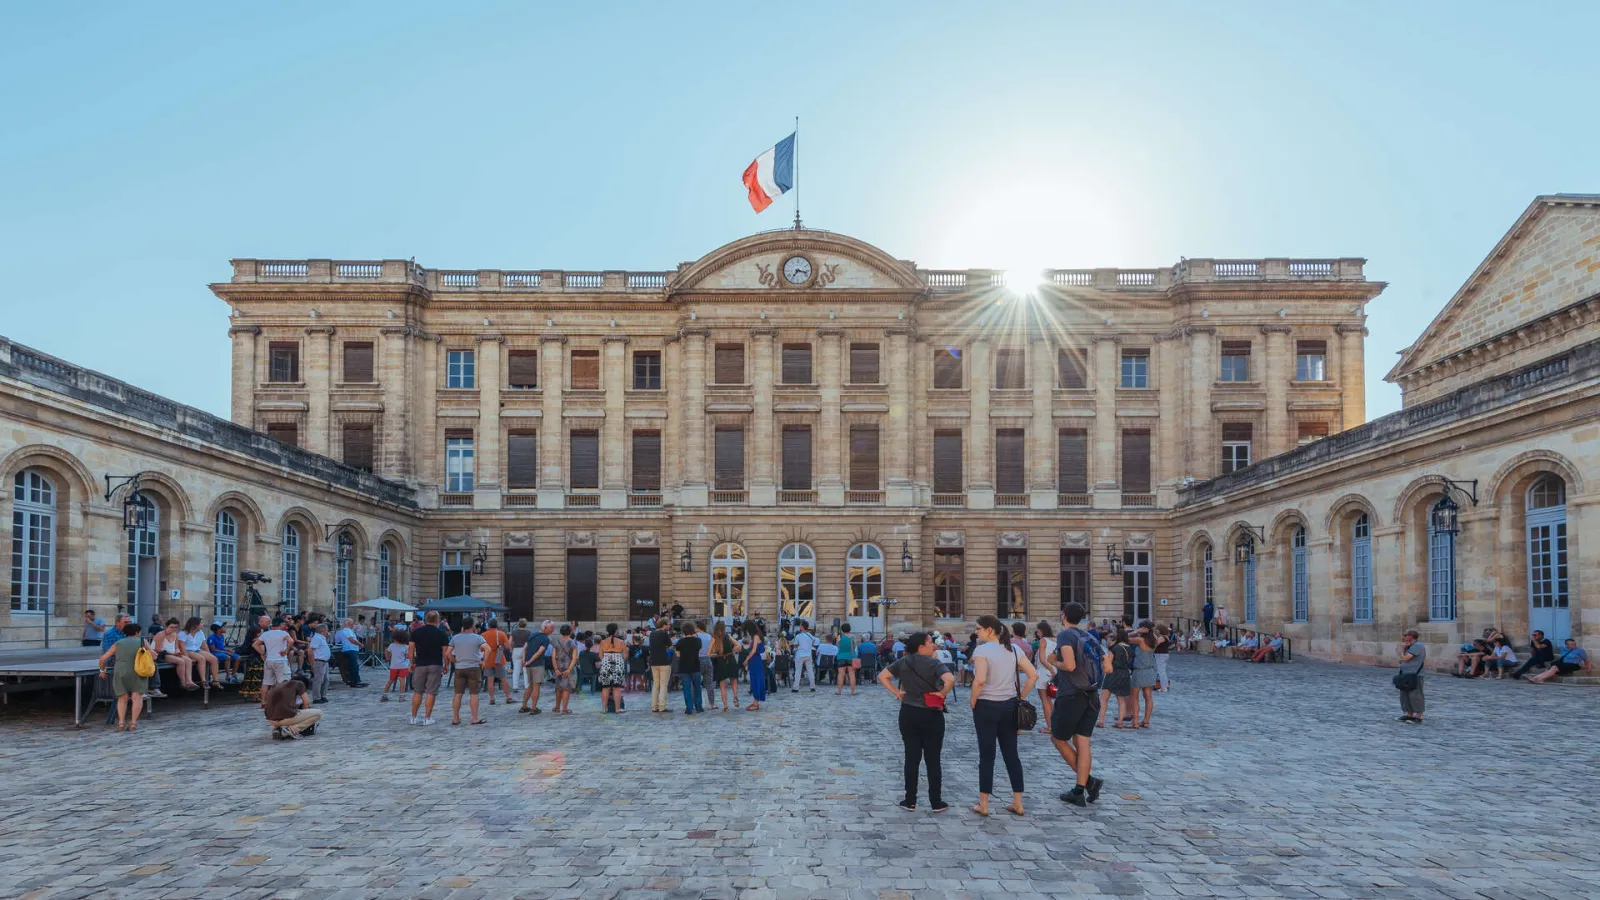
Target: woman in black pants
922,679
997,684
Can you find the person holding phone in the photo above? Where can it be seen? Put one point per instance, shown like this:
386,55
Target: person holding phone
924,685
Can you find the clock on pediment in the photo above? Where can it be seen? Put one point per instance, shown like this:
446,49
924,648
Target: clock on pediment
797,270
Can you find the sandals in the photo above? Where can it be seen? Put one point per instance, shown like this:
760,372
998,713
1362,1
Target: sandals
1016,812
980,812
481,722
121,727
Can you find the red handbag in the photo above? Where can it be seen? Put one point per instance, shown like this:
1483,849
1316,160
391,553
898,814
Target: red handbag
933,701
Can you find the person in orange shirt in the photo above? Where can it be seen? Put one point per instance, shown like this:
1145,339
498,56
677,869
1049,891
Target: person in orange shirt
496,654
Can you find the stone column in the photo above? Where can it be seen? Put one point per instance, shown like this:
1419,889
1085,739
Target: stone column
980,435
552,387
317,374
1352,375
1280,368
828,446
1168,451
1106,478
901,491
394,453
1042,426
763,484
921,452
671,432
488,463
245,377
1199,434
429,441
695,490
613,451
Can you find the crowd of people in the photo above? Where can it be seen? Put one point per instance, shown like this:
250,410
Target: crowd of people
1493,656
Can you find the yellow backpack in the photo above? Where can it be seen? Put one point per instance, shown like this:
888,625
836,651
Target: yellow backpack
144,664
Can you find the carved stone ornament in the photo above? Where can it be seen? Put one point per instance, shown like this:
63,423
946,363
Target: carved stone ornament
519,540
581,539
645,539
952,539
457,540
1075,540
1141,540
1012,540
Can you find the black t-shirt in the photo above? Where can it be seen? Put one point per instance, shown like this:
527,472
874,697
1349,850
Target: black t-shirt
688,654
660,642
427,645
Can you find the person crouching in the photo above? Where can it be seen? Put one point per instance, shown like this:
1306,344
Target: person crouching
289,711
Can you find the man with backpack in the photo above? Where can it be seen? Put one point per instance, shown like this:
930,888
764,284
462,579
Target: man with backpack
1081,665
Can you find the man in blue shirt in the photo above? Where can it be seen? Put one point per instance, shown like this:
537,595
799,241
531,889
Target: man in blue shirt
94,630
536,656
350,649
1571,660
114,633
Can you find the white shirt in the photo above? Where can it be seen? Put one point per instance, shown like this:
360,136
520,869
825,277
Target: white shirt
1504,652
898,649
828,650
805,645
277,644
1047,646
320,650
1000,681
397,656
194,643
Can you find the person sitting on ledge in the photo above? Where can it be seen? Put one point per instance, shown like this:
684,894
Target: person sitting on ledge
1269,649
1501,659
1572,660
289,711
217,646
1247,648
1542,654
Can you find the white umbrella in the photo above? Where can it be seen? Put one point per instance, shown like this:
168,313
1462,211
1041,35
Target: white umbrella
385,604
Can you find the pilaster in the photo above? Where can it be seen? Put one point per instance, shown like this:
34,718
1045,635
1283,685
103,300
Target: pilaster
763,484
319,339
901,491
613,452
1106,477
552,382
487,493
1200,440
1041,429
695,489
394,450
244,374
1352,375
980,435
1280,368
830,443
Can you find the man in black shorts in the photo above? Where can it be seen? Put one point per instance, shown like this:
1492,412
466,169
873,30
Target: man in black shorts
1077,705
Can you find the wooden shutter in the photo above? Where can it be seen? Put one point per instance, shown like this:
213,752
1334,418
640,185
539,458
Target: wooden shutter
797,457
947,462
1073,370
730,364
946,368
1236,431
1072,461
285,432
1008,369
523,366
522,459
582,587
585,370
1136,461
644,583
585,460
358,447
1235,348
1009,461
1311,348
729,451
452,434
864,364
863,457
358,361
796,363
519,584
647,461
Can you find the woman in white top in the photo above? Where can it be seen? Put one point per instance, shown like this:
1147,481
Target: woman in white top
169,649
1046,636
996,688
193,640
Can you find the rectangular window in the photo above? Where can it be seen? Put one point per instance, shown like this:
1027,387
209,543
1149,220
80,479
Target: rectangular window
461,369
644,583
947,462
1009,460
1441,576
796,364
284,433
1072,461
519,584
1136,585
947,368
358,447
797,457
458,461
647,461
358,362
586,370
1010,369
283,362
582,586
585,460
864,364
1309,432
1072,367
647,370
522,370
1011,584
1136,461
729,368
522,460
455,574
1310,361
1135,368
1235,446
729,463
1235,361
864,458
1075,578
949,583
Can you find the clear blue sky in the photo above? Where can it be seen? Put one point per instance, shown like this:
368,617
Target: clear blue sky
143,146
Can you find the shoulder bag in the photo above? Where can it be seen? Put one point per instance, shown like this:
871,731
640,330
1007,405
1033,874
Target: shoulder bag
1027,714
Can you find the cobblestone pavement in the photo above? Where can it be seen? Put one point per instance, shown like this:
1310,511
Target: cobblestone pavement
1255,781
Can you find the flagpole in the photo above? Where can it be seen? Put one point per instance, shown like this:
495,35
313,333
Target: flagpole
796,173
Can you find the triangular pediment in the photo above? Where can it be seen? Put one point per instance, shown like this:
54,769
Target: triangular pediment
826,262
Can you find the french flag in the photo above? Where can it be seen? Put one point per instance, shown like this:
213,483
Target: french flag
771,175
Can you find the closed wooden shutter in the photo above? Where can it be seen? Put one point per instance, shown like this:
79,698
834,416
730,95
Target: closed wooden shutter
730,364
582,586
1311,348
947,462
1235,348
644,583
1072,461
287,433
523,368
522,460
585,460
585,370
947,368
797,457
1009,369
519,584
647,461
729,451
1073,369
1136,461
864,364
358,361
863,457
797,364
1009,461
455,434
1236,431
358,447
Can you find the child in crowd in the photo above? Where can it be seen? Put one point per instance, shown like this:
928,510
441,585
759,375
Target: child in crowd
217,644
399,664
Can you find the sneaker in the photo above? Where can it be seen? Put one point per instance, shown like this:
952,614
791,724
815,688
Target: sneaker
1095,784
415,720
939,807
1076,797
1413,721
427,720
794,690
1403,719
291,735
384,699
908,807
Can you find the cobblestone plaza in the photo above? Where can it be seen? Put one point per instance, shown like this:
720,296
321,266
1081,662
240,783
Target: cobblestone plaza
1254,781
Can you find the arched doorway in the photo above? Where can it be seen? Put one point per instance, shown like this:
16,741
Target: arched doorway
1548,600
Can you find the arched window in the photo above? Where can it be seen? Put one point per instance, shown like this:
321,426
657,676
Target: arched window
225,566
728,581
864,573
289,582
1247,552
385,570
1302,583
343,556
1361,569
1548,598
1442,561
797,582
1210,578
33,543
144,567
